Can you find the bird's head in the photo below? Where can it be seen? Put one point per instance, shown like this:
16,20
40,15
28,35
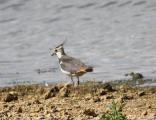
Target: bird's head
59,51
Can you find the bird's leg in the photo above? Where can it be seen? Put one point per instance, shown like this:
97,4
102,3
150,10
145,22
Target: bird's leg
78,82
73,84
72,80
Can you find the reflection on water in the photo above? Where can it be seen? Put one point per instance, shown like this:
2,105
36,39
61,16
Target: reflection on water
116,37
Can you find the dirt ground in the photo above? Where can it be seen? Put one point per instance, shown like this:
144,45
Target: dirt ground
85,102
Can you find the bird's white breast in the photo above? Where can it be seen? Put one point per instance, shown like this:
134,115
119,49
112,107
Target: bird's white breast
65,72
59,54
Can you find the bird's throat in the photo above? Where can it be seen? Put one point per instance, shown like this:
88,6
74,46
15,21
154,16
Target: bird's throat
59,54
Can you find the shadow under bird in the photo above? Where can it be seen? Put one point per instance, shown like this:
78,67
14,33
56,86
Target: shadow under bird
71,66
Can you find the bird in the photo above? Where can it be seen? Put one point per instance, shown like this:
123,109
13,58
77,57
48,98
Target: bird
71,66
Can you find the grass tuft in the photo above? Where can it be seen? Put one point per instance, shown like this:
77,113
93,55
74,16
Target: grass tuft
115,112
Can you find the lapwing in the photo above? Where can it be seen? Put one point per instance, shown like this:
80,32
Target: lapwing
71,66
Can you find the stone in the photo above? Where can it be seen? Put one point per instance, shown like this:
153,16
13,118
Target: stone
37,101
52,92
141,93
110,97
126,97
10,97
5,106
64,92
135,76
54,89
108,87
90,112
29,103
19,110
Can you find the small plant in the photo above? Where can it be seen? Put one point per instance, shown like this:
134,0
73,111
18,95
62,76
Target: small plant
115,113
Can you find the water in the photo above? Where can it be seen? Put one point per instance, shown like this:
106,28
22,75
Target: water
116,37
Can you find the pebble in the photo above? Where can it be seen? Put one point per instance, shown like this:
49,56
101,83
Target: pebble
19,110
141,93
108,87
109,97
10,97
90,112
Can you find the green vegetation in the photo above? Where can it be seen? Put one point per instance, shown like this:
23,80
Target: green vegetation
115,113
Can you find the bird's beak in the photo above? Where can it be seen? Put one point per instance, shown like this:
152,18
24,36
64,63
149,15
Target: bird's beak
52,54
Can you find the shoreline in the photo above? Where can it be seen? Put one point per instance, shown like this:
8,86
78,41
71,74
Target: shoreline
65,102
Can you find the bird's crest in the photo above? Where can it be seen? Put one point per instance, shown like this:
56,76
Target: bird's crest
61,45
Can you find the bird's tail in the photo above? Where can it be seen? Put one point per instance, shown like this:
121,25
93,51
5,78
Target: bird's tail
84,70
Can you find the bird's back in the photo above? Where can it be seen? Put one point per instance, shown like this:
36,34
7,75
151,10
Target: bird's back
73,65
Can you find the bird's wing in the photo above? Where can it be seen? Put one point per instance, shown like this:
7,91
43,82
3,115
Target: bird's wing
71,64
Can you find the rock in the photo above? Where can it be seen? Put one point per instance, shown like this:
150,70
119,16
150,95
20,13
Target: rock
10,97
135,76
29,103
126,97
123,97
37,102
64,92
108,87
51,93
110,97
19,110
141,93
149,106
54,89
90,112
5,106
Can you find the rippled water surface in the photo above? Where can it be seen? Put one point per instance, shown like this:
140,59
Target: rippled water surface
115,36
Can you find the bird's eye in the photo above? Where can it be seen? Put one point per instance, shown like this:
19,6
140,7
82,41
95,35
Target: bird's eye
55,50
